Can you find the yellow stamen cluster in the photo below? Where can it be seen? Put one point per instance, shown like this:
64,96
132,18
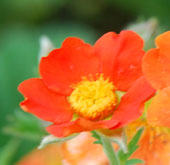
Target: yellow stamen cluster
93,99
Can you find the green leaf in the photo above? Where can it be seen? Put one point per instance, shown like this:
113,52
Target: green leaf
97,136
132,146
52,139
136,138
8,151
134,161
25,126
107,147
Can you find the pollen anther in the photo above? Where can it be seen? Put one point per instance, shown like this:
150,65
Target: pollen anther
93,99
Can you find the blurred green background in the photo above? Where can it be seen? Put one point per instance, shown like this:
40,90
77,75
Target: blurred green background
24,22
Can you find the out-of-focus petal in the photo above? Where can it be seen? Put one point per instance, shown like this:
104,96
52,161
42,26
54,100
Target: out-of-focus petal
154,150
162,42
154,144
156,68
156,63
159,110
82,150
49,155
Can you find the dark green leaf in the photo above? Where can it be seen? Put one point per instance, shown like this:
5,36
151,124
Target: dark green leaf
8,151
25,126
136,138
95,135
132,146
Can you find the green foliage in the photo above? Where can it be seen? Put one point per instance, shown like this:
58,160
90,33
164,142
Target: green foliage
24,126
25,130
97,136
122,157
134,161
132,147
107,147
8,151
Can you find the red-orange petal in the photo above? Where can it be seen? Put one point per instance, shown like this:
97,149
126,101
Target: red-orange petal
159,110
131,103
79,125
120,57
44,103
128,110
156,63
65,66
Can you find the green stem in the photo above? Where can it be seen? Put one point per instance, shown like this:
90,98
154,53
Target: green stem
8,152
109,150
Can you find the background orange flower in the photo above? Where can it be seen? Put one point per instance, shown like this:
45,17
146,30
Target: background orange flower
50,155
157,71
154,145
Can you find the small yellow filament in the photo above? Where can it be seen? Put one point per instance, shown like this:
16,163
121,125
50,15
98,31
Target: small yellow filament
93,100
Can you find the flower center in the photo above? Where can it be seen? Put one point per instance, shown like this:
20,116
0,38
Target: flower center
93,99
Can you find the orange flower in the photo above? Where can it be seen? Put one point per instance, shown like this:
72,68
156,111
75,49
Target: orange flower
50,155
82,79
156,67
84,152
154,145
